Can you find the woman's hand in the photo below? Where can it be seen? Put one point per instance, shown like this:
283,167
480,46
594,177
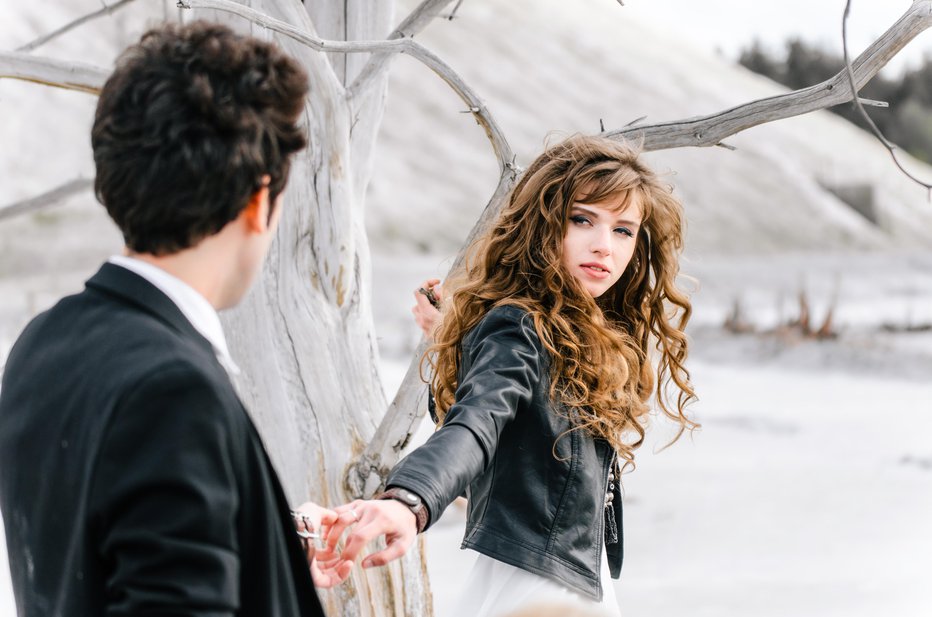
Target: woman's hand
426,314
367,521
312,523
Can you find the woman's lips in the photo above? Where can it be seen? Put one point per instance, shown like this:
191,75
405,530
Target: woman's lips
595,271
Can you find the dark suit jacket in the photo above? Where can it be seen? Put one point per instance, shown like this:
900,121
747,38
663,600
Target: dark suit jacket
132,481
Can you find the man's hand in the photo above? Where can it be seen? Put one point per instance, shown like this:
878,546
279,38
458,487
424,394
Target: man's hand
312,523
367,521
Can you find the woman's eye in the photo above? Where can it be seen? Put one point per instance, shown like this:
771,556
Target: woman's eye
579,219
625,231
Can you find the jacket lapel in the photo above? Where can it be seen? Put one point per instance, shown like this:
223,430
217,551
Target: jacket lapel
130,288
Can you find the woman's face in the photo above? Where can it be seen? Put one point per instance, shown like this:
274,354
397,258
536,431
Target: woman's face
600,242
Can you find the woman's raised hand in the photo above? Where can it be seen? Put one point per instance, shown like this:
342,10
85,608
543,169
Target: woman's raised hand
426,314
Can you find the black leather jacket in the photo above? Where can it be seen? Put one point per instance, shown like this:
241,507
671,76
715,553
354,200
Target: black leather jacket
535,501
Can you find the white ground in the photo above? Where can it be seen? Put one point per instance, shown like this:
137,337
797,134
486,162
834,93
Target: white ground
808,491
803,494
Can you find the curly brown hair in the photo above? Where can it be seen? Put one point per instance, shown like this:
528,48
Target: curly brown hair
187,125
600,348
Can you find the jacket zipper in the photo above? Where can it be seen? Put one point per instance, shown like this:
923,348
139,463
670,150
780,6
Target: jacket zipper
605,473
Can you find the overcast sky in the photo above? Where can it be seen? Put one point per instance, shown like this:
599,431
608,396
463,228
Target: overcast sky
730,25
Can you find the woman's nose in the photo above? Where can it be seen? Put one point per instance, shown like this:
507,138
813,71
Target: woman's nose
601,241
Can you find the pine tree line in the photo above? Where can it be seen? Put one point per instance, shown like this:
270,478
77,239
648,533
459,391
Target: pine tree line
908,120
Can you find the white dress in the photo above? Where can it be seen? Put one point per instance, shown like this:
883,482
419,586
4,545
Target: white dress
497,589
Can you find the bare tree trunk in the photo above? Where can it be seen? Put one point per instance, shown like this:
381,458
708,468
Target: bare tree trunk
305,336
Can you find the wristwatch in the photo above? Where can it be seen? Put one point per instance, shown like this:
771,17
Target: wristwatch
412,500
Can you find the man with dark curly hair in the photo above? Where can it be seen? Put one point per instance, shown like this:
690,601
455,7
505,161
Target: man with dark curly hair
134,483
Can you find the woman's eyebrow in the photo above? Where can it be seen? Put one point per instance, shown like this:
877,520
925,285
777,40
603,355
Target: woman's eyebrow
595,215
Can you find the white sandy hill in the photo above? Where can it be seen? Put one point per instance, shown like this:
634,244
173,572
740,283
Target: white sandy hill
552,65
542,66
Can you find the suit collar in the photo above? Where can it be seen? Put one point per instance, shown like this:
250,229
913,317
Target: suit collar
137,291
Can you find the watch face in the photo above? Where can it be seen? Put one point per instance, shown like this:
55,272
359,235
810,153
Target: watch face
410,498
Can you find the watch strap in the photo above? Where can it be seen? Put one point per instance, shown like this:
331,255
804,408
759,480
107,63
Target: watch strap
420,510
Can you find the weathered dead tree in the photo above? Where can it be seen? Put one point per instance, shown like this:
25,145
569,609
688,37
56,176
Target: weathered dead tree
107,9
305,337
403,414
47,199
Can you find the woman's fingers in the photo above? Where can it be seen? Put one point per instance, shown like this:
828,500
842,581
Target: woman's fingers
327,518
425,314
358,539
372,524
430,289
328,566
366,521
383,517
346,515
370,520
397,547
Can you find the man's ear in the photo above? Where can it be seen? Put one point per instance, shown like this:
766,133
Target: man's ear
256,213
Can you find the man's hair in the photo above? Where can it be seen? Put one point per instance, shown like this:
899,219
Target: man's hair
187,125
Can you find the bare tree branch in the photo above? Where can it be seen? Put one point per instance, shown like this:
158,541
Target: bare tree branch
371,468
366,476
859,103
50,198
474,104
710,130
42,40
452,14
52,72
412,24
425,12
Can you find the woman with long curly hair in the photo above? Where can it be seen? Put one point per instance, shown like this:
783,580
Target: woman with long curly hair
564,324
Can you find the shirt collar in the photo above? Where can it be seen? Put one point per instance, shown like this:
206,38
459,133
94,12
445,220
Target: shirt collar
192,305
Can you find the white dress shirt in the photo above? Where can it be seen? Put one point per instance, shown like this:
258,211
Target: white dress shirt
192,305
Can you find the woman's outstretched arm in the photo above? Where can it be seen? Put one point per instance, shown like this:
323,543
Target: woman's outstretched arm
502,363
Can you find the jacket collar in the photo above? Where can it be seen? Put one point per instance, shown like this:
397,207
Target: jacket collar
132,289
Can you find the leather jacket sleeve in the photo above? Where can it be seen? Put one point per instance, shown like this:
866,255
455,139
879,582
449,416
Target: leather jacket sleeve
501,363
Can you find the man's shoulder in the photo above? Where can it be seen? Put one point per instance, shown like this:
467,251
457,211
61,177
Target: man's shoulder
92,306
108,340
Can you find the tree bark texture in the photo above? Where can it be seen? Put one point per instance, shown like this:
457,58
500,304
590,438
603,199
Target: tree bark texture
305,337
52,72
